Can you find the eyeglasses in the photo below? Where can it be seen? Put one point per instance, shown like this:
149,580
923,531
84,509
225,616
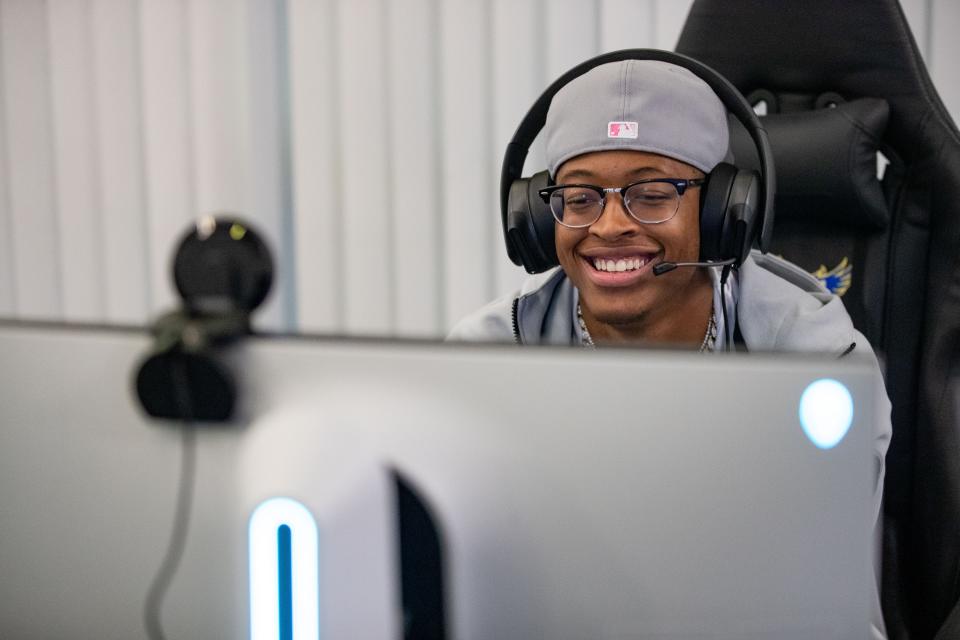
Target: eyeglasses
650,201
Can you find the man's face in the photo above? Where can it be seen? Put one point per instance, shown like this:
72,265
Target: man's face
634,297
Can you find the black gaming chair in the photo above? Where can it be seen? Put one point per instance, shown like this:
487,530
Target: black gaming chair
840,80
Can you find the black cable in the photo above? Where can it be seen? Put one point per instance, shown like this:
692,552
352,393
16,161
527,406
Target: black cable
181,519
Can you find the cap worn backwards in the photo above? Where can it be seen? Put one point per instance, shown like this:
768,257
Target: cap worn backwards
644,105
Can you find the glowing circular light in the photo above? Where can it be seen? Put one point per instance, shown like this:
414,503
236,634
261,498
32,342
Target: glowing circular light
826,412
237,231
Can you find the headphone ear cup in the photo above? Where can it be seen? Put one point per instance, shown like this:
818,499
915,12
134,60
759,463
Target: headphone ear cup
714,201
529,226
742,215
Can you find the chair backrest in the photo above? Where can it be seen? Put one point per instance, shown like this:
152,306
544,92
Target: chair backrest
840,81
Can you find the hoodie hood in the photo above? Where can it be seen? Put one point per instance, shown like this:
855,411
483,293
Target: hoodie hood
783,308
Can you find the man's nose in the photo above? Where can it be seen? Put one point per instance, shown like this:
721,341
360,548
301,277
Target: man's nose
614,221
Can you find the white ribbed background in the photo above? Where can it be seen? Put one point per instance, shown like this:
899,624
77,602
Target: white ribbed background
363,137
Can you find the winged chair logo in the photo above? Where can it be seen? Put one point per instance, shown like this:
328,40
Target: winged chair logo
836,280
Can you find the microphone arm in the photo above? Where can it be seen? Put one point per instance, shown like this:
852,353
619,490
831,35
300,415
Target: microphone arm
666,267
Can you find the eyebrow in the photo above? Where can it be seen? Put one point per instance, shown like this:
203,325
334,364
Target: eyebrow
584,174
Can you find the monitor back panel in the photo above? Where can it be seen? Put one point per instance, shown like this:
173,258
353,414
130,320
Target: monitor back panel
605,495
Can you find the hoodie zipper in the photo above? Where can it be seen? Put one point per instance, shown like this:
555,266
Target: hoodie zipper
516,324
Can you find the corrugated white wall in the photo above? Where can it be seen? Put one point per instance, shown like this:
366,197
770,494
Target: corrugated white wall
364,137
400,113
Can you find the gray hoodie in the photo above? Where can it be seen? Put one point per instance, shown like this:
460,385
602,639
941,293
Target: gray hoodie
778,307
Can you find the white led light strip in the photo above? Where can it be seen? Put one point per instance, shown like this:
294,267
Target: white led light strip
265,579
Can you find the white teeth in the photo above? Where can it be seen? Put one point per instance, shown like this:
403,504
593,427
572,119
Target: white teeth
623,264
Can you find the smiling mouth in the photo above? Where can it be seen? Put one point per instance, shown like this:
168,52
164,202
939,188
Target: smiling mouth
619,264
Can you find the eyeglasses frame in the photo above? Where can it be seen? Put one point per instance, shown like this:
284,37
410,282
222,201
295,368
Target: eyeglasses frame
680,184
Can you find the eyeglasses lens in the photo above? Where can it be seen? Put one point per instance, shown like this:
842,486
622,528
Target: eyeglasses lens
576,206
652,201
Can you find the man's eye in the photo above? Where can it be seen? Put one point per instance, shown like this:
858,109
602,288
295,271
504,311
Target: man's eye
579,200
652,198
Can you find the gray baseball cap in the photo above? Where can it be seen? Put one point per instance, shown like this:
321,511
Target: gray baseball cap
645,105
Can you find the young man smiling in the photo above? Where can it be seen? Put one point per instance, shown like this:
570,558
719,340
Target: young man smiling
629,146
610,261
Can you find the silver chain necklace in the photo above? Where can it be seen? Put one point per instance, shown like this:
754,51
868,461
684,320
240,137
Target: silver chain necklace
710,337
708,344
587,341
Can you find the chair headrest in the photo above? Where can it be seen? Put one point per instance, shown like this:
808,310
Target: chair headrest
799,50
826,162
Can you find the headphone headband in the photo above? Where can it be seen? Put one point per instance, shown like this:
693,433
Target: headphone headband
733,100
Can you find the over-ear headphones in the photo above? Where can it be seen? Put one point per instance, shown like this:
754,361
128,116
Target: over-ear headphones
736,206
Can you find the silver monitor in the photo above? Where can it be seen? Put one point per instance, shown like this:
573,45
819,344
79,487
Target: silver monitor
611,494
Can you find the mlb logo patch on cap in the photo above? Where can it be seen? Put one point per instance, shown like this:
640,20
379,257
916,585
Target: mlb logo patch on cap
622,129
